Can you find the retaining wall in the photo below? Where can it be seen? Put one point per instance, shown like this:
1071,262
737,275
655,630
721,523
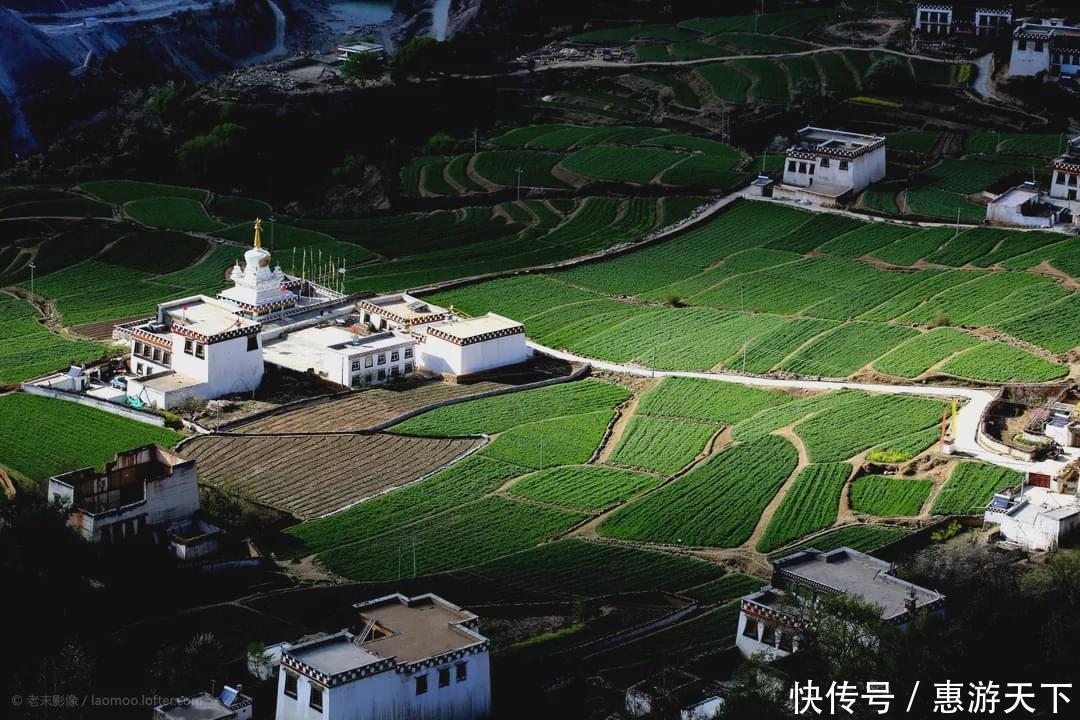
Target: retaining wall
121,410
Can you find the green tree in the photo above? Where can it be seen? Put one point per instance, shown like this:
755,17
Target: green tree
365,66
420,56
213,152
888,73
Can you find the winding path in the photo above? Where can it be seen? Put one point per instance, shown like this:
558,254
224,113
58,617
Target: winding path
967,418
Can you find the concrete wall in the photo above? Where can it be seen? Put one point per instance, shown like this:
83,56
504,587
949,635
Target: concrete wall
392,696
998,214
122,410
439,356
1029,62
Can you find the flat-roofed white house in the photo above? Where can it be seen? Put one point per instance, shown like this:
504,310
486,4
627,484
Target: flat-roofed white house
229,704
400,311
408,658
465,346
1024,206
825,166
770,625
141,490
978,20
1048,45
1035,518
345,357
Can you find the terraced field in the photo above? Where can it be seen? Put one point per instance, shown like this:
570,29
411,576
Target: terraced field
971,486
889,496
29,349
662,445
583,487
810,505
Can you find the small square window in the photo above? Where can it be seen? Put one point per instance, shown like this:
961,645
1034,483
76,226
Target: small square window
157,354
138,348
356,381
382,374
355,364
812,166
290,685
368,377
791,166
252,342
444,677
395,371
843,165
462,672
421,684
394,357
166,357
382,359
408,368
200,350
315,699
189,347
824,162
408,353
369,361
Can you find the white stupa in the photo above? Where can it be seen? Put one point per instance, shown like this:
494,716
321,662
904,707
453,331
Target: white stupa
257,289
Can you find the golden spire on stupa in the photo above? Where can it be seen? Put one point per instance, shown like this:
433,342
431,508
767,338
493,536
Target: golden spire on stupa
258,232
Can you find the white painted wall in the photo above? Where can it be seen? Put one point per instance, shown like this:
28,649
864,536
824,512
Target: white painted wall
1061,185
859,173
392,696
439,356
1029,62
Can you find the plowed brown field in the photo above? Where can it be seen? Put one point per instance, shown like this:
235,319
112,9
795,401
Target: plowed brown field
316,475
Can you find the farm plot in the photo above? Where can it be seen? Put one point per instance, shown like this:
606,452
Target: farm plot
974,174
718,503
517,297
706,400
967,247
912,248
470,535
774,418
864,538
699,144
117,192
634,165
413,174
501,166
708,632
971,486
998,362
558,441
918,293
917,355
770,80
817,230
458,173
889,496
495,414
589,488
29,349
173,213
93,291
841,352
726,588
705,171
726,82
663,445
1044,327
903,449
765,351
841,433
70,206
968,304
40,437
346,469
880,201
867,295
362,410
917,141
866,239
579,568
461,483
810,504
681,90
238,209
941,204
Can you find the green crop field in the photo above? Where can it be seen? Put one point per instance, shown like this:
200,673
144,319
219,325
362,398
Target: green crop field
971,486
726,588
70,206
918,141
866,239
708,632
413,174
29,349
718,503
239,209
943,205
459,484
998,362
1042,326
469,535
904,448
457,170
706,400
973,174
915,356
705,171
118,192
501,166
765,351
975,303
864,538
683,92
889,496
770,80
588,488
839,77
912,248
881,201
840,352
567,440
772,419
843,432
809,505
634,165
40,437
662,445
726,82
578,568
502,412
173,213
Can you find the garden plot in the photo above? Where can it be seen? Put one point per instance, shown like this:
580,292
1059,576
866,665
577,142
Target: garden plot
706,400
998,362
569,440
843,351
663,445
917,355
589,488
889,496
716,504
810,504
843,432
971,486
29,349
342,470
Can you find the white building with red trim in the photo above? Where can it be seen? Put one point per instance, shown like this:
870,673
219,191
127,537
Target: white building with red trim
466,346
825,166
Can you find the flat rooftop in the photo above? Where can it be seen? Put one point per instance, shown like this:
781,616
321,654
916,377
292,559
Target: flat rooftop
468,328
827,139
1038,501
419,627
404,306
204,707
206,317
1015,197
333,654
316,346
854,573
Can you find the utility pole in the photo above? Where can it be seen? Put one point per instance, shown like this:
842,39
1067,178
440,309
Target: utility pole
518,171
475,135
32,266
541,452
